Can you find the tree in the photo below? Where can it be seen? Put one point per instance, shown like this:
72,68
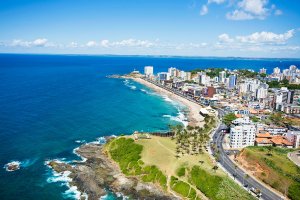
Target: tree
227,119
215,168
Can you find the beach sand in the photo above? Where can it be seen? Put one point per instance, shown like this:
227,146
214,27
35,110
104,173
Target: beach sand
194,117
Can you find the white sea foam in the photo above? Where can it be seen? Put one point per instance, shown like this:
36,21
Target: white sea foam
179,118
64,179
17,165
72,192
80,141
83,159
20,164
129,84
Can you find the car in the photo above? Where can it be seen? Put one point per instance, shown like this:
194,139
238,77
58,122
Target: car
256,192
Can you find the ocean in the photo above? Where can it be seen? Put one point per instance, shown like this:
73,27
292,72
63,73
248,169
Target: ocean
49,104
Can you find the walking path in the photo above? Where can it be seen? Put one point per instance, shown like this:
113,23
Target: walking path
295,157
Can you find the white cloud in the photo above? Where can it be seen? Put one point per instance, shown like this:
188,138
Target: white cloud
216,1
73,45
104,43
239,15
252,9
91,44
39,42
258,42
204,10
266,37
256,7
225,38
278,12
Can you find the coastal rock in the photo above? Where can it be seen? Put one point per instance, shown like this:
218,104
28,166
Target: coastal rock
98,173
12,166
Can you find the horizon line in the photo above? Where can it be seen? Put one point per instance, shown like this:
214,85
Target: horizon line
145,55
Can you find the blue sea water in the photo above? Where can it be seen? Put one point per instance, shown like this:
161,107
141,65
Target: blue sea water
47,102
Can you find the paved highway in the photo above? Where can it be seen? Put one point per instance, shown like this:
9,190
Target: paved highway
236,172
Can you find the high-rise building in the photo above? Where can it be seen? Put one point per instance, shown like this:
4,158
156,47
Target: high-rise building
232,81
263,71
222,76
276,70
262,91
172,71
242,135
182,75
163,76
188,76
148,70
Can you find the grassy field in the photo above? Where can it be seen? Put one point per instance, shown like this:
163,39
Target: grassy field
273,167
189,177
160,151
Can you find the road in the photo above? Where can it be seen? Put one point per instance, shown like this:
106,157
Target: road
238,173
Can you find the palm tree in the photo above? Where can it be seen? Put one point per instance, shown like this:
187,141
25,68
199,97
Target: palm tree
215,168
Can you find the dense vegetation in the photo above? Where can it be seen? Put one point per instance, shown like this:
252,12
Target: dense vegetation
278,171
183,188
211,72
278,119
216,187
283,83
127,154
246,73
227,119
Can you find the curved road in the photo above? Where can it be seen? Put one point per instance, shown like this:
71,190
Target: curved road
238,173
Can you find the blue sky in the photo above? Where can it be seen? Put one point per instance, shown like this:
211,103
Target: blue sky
246,28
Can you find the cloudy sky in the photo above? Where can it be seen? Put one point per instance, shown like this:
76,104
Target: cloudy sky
240,28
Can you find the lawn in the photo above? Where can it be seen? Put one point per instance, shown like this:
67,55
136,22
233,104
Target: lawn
160,151
273,167
154,160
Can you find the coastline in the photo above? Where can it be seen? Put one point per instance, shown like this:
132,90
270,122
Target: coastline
96,174
194,117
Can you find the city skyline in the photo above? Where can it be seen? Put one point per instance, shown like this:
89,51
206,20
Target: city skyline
222,28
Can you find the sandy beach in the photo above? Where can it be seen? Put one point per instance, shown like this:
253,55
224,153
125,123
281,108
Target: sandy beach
195,119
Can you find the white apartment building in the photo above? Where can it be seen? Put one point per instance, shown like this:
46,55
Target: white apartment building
242,136
148,70
222,76
276,70
188,76
262,91
182,75
172,71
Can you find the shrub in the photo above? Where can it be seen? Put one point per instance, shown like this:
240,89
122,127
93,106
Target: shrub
181,172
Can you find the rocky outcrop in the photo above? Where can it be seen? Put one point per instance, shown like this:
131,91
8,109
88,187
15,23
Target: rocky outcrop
98,173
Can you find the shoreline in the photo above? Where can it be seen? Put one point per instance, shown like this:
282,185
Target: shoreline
194,117
90,177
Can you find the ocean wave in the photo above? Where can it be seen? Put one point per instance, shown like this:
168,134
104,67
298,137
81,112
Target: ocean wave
12,166
129,84
83,159
179,118
80,141
64,179
74,193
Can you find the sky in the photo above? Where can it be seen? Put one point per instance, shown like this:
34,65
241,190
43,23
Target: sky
238,28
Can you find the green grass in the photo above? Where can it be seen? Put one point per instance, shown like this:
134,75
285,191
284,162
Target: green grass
180,187
216,187
127,154
279,172
181,172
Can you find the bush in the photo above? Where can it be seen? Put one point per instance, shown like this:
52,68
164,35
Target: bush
180,187
293,191
216,187
181,172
